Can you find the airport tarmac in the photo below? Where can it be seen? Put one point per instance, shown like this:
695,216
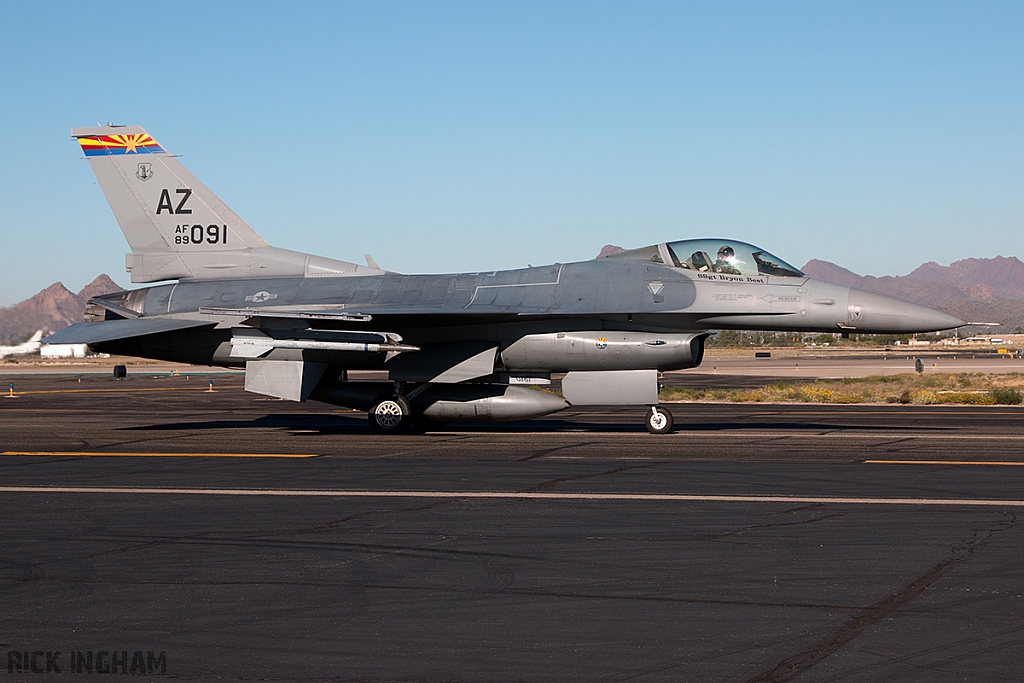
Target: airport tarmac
251,539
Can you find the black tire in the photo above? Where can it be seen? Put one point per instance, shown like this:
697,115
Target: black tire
390,414
658,420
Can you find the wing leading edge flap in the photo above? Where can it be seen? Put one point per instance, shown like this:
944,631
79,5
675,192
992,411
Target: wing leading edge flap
111,330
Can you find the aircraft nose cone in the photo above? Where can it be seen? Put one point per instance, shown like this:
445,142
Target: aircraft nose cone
869,312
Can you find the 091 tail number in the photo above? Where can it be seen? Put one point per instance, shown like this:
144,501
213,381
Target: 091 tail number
197,234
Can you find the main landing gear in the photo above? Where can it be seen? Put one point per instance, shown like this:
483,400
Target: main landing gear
658,421
390,414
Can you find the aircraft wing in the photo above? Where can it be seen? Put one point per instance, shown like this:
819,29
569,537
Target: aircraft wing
110,330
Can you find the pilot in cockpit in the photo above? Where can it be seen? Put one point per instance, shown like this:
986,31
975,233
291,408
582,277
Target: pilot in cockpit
724,263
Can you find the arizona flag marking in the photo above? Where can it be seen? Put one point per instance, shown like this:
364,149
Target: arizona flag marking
130,143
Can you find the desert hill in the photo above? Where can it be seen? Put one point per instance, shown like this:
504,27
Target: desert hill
50,310
981,280
974,289
1009,313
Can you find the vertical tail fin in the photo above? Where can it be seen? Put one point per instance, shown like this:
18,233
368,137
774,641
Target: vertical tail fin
176,227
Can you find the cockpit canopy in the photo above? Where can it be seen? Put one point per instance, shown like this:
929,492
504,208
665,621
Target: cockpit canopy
713,256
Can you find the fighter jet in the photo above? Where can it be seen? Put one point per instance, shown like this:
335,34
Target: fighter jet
465,346
24,348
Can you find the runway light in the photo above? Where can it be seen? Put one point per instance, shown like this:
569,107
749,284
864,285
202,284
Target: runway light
11,394
210,390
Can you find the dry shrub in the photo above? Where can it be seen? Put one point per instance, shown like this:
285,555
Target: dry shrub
1007,396
967,397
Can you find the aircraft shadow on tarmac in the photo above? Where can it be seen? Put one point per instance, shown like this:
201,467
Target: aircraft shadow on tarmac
301,424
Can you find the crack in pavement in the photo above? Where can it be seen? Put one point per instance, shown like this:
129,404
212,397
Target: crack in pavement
131,546
894,442
263,542
554,482
810,520
794,666
333,524
799,508
549,451
441,589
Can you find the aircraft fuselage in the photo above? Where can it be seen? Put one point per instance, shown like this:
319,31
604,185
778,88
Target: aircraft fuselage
508,305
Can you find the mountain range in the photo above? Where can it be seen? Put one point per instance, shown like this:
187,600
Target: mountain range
974,279
974,289
50,310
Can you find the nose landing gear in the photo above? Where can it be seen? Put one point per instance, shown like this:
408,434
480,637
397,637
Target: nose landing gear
658,421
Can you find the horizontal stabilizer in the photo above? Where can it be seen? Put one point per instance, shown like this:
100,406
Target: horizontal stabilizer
113,308
110,330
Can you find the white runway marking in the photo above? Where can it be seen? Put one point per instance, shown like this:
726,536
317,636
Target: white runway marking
517,495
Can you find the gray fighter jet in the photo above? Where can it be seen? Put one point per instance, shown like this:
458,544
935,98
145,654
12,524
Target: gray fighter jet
456,347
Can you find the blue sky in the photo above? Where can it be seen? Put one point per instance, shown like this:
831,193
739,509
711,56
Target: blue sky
467,136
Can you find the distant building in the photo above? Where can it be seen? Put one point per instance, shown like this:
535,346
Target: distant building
63,350
1006,339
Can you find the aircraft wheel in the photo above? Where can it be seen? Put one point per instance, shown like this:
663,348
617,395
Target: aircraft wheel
658,421
390,414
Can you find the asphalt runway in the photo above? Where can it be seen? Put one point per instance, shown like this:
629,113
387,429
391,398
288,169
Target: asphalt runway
248,539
